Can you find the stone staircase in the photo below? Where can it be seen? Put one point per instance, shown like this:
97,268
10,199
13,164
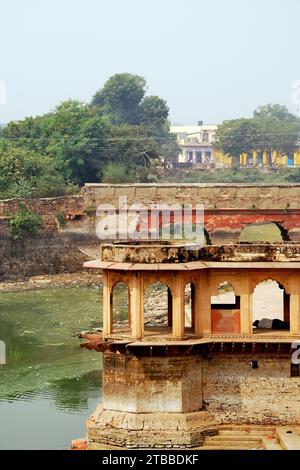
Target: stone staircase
243,438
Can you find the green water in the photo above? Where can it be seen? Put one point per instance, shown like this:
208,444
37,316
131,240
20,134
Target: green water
49,385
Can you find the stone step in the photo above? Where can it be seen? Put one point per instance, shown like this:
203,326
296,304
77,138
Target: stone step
244,427
229,432
235,437
230,447
243,436
233,442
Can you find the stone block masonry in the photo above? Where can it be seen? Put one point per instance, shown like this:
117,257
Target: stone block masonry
237,394
213,196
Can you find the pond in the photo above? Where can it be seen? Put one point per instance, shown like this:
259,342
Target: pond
49,386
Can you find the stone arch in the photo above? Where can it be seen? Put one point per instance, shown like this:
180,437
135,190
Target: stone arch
270,301
266,231
120,304
225,309
283,283
284,232
157,299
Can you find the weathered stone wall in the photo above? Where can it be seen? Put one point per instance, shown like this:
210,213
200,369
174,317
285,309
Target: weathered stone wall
174,401
235,393
58,248
213,196
150,385
47,208
224,385
41,255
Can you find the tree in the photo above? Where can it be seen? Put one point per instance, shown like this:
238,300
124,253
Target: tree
272,127
24,173
236,137
120,98
154,114
121,127
278,129
73,135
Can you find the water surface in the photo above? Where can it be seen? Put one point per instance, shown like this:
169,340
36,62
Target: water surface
49,385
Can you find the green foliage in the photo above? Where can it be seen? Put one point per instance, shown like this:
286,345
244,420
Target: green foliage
235,137
76,142
24,223
24,173
60,217
278,129
117,173
154,113
120,98
236,175
74,136
272,127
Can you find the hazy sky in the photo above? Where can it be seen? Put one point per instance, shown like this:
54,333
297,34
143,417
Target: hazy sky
210,59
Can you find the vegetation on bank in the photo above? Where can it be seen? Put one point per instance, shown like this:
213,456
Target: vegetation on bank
119,136
234,175
122,136
24,223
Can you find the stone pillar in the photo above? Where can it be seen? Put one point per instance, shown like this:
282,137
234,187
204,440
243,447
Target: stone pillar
193,309
294,305
202,305
107,313
246,305
178,307
170,307
286,307
136,306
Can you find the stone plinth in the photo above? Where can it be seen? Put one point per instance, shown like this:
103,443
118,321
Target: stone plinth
146,430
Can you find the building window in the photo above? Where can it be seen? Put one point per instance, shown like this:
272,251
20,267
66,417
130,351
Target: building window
199,157
205,136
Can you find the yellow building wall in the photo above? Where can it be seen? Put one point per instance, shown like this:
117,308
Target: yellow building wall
277,159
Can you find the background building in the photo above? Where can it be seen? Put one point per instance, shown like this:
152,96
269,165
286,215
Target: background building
197,149
195,143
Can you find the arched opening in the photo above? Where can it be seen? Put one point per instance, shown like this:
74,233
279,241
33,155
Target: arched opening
225,310
157,308
263,232
119,304
270,307
189,306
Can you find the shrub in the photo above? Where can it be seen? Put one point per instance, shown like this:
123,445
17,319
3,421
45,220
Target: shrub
61,219
116,173
24,223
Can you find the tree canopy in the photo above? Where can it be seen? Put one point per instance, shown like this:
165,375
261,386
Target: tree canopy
272,127
120,98
78,142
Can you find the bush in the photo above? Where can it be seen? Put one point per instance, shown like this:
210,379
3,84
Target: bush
117,173
60,217
24,223
24,173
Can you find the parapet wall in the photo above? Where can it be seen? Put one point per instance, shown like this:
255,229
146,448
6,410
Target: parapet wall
213,196
47,208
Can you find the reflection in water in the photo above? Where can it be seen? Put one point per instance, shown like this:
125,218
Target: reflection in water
47,374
